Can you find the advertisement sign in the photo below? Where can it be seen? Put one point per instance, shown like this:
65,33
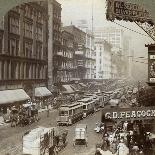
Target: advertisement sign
151,66
120,10
134,113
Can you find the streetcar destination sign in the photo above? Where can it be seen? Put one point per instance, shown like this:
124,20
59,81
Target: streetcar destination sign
120,10
138,113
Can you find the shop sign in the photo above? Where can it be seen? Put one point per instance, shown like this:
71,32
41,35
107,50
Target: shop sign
151,67
138,113
120,10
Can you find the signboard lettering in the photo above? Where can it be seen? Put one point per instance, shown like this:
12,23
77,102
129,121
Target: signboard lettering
152,56
117,9
138,113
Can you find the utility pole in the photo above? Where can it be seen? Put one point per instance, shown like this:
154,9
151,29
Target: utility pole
92,17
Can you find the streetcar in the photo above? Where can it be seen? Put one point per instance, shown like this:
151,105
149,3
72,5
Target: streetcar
88,105
101,99
96,99
69,114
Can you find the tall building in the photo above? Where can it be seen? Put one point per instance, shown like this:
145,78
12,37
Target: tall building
116,38
66,55
57,40
112,35
103,60
90,55
24,51
79,61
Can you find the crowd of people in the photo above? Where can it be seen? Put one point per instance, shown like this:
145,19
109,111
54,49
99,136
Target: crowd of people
126,139
21,116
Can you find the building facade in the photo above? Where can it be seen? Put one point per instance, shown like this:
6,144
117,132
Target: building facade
90,55
24,48
57,40
103,60
67,52
116,38
79,58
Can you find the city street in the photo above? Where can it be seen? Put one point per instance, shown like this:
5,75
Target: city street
93,138
11,137
75,64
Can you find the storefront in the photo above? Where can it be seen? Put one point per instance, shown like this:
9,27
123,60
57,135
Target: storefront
67,89
43,97
10,98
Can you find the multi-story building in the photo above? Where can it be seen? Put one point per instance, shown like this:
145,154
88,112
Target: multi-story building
90,55
103,60
116,38
57,38
66,69
112,35
23,50
79,61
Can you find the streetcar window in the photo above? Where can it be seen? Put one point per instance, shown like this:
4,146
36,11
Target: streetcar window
84,106
63,113
70,112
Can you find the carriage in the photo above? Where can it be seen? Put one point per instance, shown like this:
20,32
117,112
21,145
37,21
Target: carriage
80,135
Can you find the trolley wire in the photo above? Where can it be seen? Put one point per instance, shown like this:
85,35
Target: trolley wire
131,29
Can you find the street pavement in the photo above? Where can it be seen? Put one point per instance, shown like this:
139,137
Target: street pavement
93,138
11,137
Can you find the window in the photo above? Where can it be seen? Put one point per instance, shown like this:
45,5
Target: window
27,49
39,50
27,29
39,33
14,25
84,107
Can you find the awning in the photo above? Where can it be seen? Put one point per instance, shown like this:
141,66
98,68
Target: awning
74,87
82,84
42,92
68,89
12,96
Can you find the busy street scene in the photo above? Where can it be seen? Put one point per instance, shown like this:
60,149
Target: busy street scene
77,77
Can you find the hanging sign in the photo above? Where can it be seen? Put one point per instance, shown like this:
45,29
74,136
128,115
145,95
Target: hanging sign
134,113
120,10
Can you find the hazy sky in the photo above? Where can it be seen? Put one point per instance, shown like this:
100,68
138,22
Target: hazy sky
73,10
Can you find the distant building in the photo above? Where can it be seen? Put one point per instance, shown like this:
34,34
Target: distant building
23,51
90,56
80,51
112,35
103,60
66,56
116,38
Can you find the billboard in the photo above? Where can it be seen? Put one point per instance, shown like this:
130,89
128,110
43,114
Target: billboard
120,10
133,113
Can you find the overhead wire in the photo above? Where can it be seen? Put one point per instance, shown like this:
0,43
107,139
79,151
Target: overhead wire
131,29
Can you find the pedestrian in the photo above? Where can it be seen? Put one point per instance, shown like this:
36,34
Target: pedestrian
48,112
51,150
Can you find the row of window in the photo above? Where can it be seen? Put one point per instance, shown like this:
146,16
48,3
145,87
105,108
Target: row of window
19,70
27,49
31,13
14,27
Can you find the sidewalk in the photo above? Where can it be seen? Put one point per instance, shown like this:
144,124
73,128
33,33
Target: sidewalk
3,124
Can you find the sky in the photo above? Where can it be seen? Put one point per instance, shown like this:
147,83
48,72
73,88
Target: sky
74,10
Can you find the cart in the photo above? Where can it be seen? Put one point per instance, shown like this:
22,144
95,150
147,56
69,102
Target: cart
80,135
